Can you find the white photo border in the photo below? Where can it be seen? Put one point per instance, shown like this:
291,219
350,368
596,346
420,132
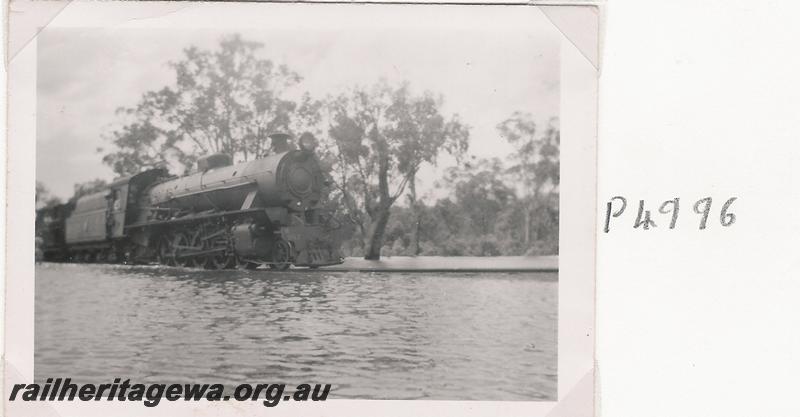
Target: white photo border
577,239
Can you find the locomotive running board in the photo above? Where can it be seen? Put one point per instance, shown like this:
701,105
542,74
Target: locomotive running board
195,218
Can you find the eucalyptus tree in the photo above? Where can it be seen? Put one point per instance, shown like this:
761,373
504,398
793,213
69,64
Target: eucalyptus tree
226,100
536,162
382,135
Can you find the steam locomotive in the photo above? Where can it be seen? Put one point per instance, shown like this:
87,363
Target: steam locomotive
264,212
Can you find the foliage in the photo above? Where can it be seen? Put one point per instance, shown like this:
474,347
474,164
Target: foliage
227,100
373,140
380,136
492,209
43,197
536,165
536,161
88,187
45,200
482,216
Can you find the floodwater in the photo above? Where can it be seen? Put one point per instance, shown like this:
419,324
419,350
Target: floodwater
372,335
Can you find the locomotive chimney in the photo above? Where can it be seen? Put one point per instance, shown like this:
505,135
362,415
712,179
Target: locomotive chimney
307,141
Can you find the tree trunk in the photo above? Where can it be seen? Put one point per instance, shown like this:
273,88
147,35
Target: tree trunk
415,235
376,229
379,216
412,188
527,239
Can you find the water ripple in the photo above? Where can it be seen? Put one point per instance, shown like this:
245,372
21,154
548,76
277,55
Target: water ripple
375,336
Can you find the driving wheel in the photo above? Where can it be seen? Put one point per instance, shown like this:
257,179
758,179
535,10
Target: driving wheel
281,255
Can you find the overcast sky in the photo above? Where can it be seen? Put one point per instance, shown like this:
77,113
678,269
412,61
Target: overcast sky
485,62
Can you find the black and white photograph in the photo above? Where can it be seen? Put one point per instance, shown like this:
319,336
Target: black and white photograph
433,208
362,198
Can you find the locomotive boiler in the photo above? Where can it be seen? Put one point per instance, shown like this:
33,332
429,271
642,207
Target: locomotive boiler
263,212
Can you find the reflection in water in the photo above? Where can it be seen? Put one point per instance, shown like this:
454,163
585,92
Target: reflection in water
381,336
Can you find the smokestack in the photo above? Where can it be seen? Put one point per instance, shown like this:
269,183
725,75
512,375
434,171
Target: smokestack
307,141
